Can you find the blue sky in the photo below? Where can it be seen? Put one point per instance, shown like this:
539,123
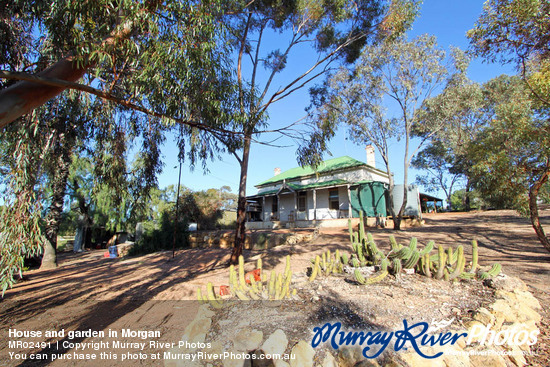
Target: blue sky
447,20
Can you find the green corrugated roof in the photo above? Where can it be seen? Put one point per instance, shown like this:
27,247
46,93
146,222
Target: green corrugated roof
319,184
325,166
306,187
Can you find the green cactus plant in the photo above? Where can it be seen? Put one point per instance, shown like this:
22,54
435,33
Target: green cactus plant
460,263
474,257
441,261
447,264
493,272
277,287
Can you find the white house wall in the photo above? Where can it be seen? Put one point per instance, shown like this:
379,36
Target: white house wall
287,205
323,211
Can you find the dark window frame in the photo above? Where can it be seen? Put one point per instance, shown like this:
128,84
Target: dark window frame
333,199
302,201
275,205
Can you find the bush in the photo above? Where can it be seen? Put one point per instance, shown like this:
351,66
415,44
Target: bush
157,237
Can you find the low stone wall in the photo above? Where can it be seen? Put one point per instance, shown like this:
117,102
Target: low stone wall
325,223
259,240
514,309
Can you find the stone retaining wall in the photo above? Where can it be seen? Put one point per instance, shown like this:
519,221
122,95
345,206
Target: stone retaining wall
260,240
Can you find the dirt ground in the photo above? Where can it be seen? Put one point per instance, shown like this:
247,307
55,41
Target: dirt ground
157,292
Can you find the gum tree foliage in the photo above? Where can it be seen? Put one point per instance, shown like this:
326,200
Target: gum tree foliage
457,111
162,58
517,31
511,154
435,160
331,30
400,75
20,233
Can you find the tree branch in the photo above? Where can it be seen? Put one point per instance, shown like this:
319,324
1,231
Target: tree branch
63,84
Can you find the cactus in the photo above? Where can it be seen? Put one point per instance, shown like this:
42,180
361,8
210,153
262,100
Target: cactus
394,245
426,250
413,243
252,285
495,270
259,266
344,259
412,260
396,266
214,301
426,266
447,264
460,262
474,257
441,260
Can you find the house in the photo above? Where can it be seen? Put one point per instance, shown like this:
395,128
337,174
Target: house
339,189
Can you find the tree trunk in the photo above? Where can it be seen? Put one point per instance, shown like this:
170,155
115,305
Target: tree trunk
240,233
390,199
534,211
466,198
397,221
53,218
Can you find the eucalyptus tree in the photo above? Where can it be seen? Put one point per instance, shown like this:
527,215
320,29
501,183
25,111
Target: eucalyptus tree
517,31
330,31
392,76
439,167
457,111
164,59
511,154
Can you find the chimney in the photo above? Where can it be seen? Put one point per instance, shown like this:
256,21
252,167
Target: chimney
370,155
276,171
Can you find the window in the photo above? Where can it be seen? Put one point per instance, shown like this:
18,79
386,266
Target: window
333,202
302,196
275,205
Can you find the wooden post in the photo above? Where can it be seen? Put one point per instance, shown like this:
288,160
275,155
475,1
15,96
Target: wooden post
263,209
349,203
314,204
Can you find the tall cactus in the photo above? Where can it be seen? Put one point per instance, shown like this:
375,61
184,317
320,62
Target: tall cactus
474,257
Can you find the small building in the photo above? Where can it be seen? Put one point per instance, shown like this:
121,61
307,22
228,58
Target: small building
339,189
430,203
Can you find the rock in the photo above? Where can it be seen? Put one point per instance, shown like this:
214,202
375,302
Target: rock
259,361
180,362
281,363
302,355
204,311
228,362
276,343
196,331
416,360
455,357
329,361
517,357
216,348
528,299
489,360
471,325
247,340
507,283
367,363
484,316
393,364
349,356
